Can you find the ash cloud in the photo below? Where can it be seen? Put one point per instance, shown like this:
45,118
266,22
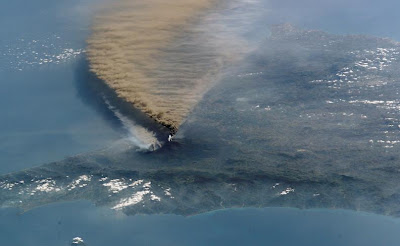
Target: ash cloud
162,56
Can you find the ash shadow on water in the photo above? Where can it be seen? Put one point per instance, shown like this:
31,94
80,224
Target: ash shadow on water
95,93
85,84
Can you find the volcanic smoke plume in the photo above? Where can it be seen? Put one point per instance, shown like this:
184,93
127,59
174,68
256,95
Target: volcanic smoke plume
163,55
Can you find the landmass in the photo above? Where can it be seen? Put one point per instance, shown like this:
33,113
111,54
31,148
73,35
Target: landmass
309,120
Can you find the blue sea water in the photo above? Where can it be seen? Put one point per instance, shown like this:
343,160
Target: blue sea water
44,120
57,224
45,117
